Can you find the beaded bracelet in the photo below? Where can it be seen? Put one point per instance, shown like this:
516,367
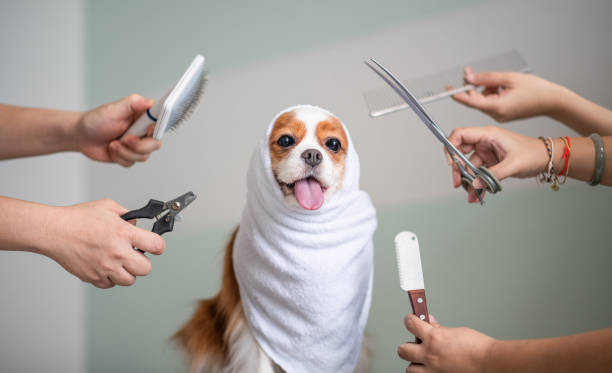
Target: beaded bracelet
548,175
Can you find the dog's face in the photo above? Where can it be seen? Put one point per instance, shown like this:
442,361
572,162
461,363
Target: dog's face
308,149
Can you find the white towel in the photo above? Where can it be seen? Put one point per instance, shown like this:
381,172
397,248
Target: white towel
306,276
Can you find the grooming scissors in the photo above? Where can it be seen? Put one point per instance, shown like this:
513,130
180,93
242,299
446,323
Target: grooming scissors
165,213
468,171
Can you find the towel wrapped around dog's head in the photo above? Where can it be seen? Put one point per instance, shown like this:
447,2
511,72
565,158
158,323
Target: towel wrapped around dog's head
305,276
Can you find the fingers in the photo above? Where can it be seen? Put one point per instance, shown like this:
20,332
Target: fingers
465,140
477,161
418,327
454,169
469,136
475,100
106,283
501,171
143,146
147,241
412,352
120,153
416,368
137,264
122,277
117,153
487,79
132,149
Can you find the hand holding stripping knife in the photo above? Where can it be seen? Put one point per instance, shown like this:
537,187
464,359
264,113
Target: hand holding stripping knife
164,213
411,273
468,171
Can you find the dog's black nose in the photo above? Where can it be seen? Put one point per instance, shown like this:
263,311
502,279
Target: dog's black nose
312,157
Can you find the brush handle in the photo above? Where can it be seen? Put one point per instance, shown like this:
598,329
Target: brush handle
139,127
418,302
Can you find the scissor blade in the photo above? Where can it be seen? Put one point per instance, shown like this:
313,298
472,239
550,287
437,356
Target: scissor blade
418,109
179,203
409,98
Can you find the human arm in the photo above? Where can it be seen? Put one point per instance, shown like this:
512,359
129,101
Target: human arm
30,131
509,154
508,96
465,350
90,240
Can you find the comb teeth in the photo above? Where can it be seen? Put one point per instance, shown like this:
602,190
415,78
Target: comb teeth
408,261
431,88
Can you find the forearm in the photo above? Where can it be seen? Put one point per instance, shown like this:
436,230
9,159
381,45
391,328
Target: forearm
585,352
28,131
26,226
582,159
582,115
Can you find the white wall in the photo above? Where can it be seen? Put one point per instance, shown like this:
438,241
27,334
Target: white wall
41,305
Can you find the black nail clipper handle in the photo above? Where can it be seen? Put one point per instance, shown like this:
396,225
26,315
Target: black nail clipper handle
151,210
163,225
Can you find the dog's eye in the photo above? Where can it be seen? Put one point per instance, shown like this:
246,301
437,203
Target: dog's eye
333,144
285,141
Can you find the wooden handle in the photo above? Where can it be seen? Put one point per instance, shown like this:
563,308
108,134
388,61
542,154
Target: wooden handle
418,301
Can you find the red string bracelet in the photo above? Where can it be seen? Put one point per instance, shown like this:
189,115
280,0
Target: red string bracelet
566,155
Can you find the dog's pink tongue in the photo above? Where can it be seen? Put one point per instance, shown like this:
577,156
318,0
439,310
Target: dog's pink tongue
309,194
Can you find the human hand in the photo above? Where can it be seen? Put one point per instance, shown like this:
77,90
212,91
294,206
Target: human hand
98,129
503,152
456,350
92,241
510,95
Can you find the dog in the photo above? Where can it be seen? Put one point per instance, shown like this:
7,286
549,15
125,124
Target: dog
306,149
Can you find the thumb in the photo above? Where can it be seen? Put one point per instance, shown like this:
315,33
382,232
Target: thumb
137,104
488,79
433,321
147,241
417,327
501,171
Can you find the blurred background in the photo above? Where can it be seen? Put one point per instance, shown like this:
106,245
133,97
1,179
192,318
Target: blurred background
530,263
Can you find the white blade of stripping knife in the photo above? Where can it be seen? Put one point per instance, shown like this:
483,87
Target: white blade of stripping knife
431,88
409,261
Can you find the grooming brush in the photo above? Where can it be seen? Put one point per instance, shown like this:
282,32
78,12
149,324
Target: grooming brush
176,106
411,273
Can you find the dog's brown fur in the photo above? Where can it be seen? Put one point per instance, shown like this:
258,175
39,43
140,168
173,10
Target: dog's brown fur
206,333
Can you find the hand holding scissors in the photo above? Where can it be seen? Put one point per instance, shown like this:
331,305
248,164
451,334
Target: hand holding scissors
468,171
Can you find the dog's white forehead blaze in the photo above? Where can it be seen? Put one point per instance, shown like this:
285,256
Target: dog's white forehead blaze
311,115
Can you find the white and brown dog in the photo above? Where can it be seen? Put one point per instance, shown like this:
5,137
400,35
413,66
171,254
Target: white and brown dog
297,277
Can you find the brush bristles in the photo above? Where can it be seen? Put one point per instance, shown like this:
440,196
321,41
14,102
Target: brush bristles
184,112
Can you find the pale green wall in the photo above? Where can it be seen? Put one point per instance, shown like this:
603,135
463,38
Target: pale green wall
129,42
515,268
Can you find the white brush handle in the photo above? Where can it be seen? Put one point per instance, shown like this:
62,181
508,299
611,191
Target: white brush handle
139,127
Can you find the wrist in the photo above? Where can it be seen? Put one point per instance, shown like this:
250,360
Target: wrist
488,360
545,154
46,234
562,99
558,161
70,130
